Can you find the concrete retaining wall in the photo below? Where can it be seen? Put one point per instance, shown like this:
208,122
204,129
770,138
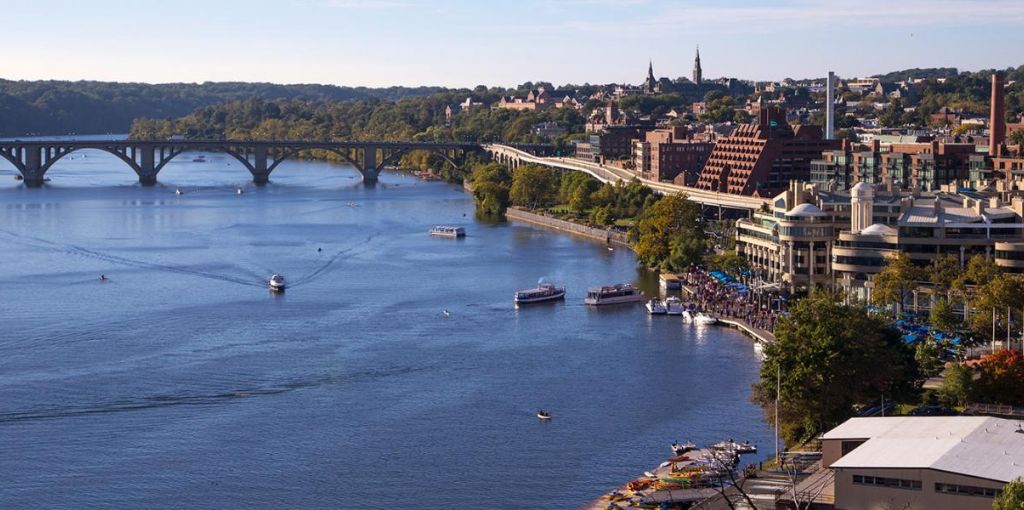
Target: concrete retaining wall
605,235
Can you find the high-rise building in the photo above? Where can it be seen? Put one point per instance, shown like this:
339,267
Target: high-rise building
761,159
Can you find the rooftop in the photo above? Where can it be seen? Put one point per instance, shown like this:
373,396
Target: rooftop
978,446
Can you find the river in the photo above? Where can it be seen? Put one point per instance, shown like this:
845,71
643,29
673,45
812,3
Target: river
182,382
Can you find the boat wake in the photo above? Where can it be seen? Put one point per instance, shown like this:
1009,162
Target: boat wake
323,268
212,398
257,281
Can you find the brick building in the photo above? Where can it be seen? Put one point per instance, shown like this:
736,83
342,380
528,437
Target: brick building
663,154
760,159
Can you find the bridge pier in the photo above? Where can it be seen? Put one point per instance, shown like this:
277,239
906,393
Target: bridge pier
33,181
147,180
261,179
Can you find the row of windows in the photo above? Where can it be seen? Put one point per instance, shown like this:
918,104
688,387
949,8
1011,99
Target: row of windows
1010,255
966,490
899,483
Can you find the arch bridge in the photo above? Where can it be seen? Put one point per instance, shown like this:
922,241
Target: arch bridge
32,158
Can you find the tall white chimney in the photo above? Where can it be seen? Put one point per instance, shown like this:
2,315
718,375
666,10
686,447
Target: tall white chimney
830,106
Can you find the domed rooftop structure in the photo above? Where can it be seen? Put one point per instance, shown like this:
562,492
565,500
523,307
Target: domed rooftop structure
805,211
878,229
862,189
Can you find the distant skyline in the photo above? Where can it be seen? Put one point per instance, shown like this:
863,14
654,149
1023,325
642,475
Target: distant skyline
378,43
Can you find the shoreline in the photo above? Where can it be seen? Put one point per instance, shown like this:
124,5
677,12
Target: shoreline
608,236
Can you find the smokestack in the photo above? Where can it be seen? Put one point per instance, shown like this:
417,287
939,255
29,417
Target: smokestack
997,119
830,107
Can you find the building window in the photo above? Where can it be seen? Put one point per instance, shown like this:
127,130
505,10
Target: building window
966,490
878,481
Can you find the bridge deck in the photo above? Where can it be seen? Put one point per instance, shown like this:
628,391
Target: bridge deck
605,173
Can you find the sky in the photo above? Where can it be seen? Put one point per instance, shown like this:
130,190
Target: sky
464,43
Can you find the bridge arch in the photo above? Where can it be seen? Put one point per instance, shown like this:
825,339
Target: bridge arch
397,154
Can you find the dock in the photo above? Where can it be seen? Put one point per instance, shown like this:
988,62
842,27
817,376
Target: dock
759,335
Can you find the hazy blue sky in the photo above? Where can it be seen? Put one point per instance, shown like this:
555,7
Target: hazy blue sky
465,43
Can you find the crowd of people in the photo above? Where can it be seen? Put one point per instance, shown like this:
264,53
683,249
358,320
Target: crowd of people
727,298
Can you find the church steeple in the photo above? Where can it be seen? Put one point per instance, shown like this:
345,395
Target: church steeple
697,74
650,82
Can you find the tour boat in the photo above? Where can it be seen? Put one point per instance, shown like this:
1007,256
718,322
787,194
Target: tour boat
679,449
674,305
540,293
543,415
447,231
656,307
614,294
277,283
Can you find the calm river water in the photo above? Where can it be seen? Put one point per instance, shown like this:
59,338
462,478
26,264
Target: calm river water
181,382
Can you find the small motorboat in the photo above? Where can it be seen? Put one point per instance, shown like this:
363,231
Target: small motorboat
277,283
446,313
656,307
703,319
674,305
103,278
177,191
239,191
18,177
681,448
199,159
543,415
687,317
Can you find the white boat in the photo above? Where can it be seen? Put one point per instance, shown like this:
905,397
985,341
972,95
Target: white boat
614,295
703,319
681,448
448,231
543,415
687,317
759,351
731,446
178,191
674,305
239,191
656,307
277,283
540,293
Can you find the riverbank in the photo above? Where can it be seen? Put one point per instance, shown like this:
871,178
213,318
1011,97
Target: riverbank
608,236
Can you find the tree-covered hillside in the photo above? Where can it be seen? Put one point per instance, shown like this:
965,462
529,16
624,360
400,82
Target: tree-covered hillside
63,107
419,118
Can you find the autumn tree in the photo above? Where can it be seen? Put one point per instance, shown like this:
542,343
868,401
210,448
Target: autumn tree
1000,378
